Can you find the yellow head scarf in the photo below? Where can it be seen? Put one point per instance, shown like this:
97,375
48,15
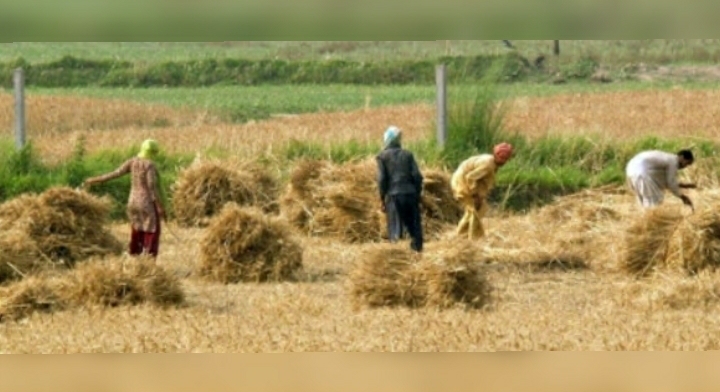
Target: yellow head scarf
149,149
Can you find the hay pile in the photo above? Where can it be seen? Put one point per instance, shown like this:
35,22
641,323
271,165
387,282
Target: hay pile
244,245
439,208
388,275
343,201
580,211
108,282
665,237
55,228
204,188
570,233
444,275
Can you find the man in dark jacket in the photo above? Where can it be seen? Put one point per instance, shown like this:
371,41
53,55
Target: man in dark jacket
400,184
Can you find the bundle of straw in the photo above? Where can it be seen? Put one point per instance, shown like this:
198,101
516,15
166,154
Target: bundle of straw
665,237
109,282
343,201
446,274
55,228
204,188
244,245
647,240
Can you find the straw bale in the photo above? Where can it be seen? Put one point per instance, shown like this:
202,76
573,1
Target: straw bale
665,237
304,173
36,294
107,282
647,240
440,210
388,276
18,255
297,203
454,275
444,275
343,201
123,281
204,188
244,245
695,244
59,226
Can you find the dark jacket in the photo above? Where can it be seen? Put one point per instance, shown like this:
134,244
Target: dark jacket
398,173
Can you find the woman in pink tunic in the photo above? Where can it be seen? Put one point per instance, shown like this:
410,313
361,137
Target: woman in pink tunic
144,209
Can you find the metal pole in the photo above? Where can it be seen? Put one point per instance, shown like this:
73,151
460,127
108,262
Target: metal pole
19,82
441,82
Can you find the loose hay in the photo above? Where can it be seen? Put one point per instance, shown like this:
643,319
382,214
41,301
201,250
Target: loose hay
244,245
109,282
342,201
536,258
444,275
56,228
204,188
676,291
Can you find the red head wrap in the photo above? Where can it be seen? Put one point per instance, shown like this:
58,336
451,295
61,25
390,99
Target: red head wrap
502,152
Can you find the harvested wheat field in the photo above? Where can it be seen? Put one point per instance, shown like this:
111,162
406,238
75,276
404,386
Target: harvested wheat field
530,299
582,273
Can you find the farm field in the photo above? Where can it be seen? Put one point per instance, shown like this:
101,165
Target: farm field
55,121
242,103
533,307
653,51
558,273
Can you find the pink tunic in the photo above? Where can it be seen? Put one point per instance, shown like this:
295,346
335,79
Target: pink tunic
143,192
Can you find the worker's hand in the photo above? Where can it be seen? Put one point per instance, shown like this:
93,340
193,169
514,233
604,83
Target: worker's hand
86,185
686,200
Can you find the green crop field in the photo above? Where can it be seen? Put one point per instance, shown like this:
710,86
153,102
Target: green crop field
656,51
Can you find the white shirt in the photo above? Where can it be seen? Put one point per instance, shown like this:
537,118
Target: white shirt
659,166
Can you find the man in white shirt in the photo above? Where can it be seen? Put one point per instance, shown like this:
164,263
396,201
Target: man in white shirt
649,173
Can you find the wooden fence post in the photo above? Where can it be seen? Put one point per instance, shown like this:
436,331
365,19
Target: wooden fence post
19,83
441,82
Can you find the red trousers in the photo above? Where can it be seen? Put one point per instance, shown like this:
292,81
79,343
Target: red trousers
145,242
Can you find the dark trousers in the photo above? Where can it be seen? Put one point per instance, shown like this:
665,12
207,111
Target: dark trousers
404,211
